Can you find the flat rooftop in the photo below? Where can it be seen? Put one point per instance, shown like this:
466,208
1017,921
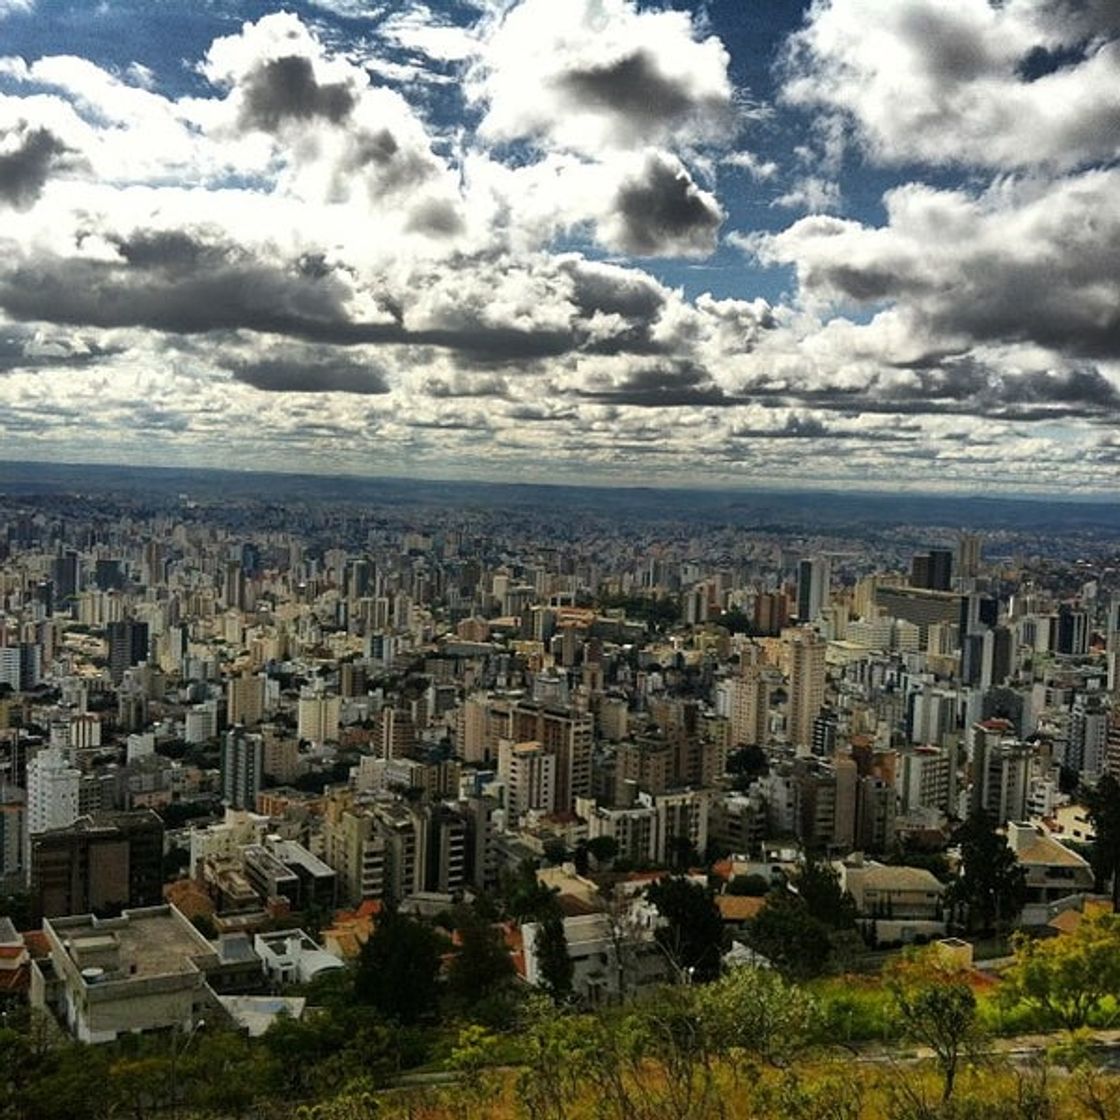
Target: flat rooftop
156,941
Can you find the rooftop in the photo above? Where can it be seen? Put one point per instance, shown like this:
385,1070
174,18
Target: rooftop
156,941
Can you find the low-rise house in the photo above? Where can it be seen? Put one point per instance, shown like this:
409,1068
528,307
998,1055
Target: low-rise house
290,956
143,971
614,958
882,890
1053,871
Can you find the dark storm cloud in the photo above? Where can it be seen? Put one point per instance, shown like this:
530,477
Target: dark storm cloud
635,298
676,387
988,293
633,295
963,387
184,285
25,168
435,218
538,415
218,291
20,350
796,427
950,48
663,212
385,164
291,374
1075,20
634,88
284,89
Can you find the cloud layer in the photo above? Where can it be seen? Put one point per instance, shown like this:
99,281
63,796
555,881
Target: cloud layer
306,262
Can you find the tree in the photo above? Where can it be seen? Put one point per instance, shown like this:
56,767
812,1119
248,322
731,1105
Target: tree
556,966
1068,978
482,963
557,1053
818,884
1103,803
20,907
992,885
602,849
398,969
526,897
753,886
757,1012
692,932
748,762
790,938
936,1007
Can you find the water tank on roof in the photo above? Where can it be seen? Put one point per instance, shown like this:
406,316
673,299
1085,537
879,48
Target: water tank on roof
93,975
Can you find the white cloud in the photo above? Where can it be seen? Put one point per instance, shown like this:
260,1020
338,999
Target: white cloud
418,28
755,166
953,83
593,76
1024,261
811,193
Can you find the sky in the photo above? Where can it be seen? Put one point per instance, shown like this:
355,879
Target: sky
863,244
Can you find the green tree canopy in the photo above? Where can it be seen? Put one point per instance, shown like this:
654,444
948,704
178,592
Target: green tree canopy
787,934
1067,978
692,933
991,885
1103,803
818,885
482,963
935,1006
398,970
556,966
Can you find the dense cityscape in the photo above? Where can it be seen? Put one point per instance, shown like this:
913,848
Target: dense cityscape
559,560
244,740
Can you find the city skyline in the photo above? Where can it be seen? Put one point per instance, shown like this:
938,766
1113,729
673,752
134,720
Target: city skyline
854,243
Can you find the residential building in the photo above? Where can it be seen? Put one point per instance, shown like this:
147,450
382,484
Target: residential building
100,864
142,971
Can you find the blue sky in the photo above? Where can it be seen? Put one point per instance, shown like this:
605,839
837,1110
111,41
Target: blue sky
747,242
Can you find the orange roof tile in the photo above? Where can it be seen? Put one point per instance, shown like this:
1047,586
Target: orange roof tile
738,907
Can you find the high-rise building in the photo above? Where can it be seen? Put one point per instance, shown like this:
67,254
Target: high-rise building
813,588
926,778
100,864
529,774
13,831
749,708
245,700
932,570
64,575
806,685
11,667
242,764
1086,747
825,730
108,575
1073,631
771,612
969,555
128,646
1000,768
567,734
233,585
52,791
318,717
